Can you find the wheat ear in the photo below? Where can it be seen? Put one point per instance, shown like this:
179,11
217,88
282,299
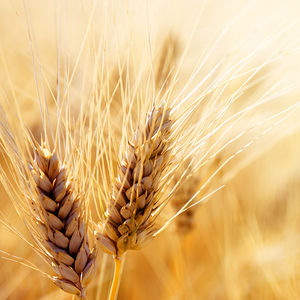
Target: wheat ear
134,200
64,234
185,221
129,222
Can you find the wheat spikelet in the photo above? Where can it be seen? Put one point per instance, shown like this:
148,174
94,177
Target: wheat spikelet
65,237
130,222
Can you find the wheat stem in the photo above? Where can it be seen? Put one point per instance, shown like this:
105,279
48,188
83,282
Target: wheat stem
99,291
115,284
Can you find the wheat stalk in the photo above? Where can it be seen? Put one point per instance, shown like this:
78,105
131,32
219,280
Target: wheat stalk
64,232
130,221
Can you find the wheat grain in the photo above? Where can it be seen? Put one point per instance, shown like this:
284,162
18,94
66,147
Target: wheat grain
130,223
64,230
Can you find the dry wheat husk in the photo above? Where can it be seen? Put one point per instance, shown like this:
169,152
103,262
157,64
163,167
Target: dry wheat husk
130,215
63,229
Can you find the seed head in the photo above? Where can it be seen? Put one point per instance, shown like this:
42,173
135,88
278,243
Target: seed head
130,221
63,232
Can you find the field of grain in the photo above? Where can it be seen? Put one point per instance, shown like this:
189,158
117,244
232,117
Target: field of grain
189,110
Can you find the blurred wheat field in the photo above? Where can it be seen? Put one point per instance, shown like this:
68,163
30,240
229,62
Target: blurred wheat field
243,242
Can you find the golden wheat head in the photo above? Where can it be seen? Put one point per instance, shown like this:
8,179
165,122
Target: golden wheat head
133,200
60,220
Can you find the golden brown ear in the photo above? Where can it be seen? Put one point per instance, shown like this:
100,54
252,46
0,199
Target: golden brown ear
129,222
63,230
